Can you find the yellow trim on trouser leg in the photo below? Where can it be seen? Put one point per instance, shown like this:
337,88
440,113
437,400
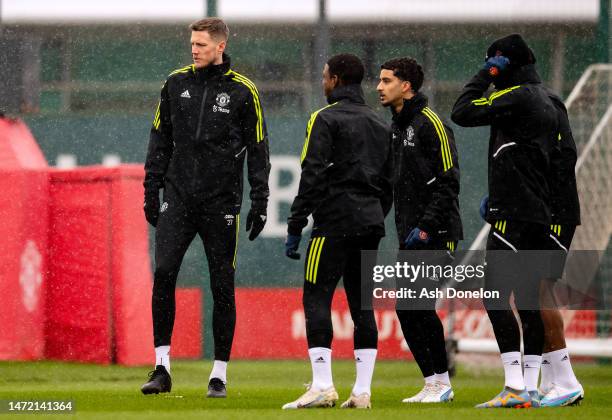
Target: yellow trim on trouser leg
316,266
311,253
236,246
313,261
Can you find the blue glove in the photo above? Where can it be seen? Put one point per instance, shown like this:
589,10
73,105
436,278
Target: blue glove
416,237
484,207
496,65
291,246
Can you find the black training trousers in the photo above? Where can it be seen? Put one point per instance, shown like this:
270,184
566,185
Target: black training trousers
422,328
176,229
516,271
328,259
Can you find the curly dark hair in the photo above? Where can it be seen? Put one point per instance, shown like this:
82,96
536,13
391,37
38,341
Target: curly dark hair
406,69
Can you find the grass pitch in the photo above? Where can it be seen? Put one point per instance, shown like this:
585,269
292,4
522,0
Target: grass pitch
257,389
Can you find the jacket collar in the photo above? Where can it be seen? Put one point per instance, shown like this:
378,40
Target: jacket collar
353,93
214,70
411,107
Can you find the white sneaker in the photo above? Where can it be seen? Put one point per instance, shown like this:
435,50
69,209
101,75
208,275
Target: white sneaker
420,395
314,398
357,401
544,389
559,396
439,393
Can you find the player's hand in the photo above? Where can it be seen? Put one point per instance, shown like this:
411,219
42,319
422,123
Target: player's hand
256,220
484,205
291,246
151,207
416,237
496,65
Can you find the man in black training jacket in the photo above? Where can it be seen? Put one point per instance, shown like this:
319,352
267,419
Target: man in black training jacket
347,166
559,385
523,121
426,197
208,121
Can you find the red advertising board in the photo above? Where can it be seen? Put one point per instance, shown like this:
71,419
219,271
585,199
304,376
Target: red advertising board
23,242
99,294
270,325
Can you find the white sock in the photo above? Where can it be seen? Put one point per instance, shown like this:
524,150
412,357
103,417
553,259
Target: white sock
532,365
320,360
513,371
219,370
162,357
546,370
442,377
430,379
364,364
563,374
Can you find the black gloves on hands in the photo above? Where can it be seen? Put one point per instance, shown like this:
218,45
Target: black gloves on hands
256,220
151,207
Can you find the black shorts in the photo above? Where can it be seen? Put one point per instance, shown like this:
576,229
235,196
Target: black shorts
560,239
517,261
516,235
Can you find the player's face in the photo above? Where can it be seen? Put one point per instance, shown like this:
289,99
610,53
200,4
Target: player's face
329,82
391,89
205,50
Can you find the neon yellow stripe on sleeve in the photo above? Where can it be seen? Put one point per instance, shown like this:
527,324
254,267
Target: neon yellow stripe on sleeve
447,160
311,122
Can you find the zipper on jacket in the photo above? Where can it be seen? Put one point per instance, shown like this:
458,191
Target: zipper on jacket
197,136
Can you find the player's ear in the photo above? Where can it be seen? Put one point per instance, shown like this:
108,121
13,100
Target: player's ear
406,86
335,80
221,46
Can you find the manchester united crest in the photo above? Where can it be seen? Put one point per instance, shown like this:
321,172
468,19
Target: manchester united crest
223,100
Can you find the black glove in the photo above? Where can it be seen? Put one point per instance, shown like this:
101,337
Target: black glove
151,207
256,220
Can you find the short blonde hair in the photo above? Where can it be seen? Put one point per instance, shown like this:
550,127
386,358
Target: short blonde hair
215,27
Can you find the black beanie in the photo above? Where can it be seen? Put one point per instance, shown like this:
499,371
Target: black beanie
515,48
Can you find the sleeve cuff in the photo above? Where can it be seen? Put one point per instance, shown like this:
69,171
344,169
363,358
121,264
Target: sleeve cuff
482,79
259,205
426,227
294,230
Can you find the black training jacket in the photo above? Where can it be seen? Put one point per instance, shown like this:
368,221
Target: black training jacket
207,121
565,205
347,169
426,193
523,121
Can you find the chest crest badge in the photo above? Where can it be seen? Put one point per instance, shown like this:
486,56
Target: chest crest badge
410,133
223,100
409,136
